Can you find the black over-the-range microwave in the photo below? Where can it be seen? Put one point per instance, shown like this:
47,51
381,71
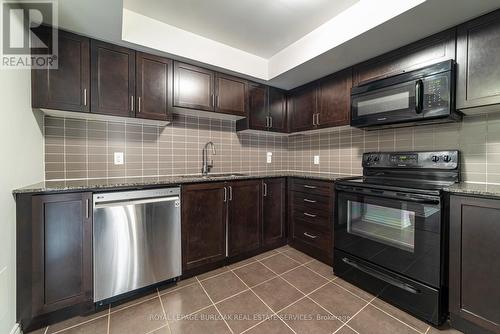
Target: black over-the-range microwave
422,96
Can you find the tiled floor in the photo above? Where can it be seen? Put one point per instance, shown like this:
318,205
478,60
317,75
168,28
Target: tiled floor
281,291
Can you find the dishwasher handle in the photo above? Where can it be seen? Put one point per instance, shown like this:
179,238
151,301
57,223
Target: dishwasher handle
104,204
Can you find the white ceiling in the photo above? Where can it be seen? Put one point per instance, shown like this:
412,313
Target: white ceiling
260,27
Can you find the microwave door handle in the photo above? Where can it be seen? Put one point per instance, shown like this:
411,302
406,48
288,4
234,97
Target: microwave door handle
419,87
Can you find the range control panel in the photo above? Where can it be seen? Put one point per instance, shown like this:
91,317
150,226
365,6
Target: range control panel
427,159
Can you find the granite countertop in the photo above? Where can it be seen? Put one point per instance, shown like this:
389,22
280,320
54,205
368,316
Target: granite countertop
142,182
475,189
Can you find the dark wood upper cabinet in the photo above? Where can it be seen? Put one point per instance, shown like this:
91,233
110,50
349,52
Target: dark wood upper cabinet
303,108
68,86
430,50
230,95
204,212
193,87
277,110
334,100
258,115
153,87
112,79
474,270
244,216
62,251
478,75
274,211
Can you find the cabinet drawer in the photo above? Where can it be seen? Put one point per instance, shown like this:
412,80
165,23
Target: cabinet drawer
316,237
311,216
313,187
310,200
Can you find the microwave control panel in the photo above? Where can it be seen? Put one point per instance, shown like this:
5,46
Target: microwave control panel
432,160
436,92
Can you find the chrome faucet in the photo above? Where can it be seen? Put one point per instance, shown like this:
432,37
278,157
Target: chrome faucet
205,168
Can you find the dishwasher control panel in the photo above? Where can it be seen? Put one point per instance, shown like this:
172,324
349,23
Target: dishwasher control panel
136,194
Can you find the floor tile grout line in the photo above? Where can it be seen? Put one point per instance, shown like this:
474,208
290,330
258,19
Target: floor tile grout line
164,312
396,318
352,293
354,315
216,308
109,319
427,331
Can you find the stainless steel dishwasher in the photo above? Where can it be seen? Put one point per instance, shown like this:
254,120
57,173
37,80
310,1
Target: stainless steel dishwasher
137,240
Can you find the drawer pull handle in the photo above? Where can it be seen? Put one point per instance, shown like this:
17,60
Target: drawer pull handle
309,215
309,200
309,187
310,235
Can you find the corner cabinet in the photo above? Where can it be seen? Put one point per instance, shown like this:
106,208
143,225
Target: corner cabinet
478,75
54,255
474,268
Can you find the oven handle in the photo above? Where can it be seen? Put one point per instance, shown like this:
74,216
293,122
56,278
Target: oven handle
384,277
380,193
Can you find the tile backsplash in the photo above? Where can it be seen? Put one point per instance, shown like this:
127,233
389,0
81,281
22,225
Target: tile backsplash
80,149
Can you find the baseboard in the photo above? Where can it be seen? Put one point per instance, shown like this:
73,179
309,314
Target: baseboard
16,329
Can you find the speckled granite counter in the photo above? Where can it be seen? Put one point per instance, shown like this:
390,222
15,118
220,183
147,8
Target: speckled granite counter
144,182
491,190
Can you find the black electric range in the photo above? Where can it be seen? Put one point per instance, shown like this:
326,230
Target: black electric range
390,233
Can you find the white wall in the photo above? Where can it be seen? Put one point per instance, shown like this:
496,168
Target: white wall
21,163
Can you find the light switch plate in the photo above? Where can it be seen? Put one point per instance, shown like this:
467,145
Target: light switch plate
316,159
269,157
118,158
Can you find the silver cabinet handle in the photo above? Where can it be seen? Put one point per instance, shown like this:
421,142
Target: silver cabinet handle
309,200
314,120
139,104
131,102
265,189
317,119
217,101
85,96
213,100
227,238
225,194
87,207
310,235
309,215
267,121
270,121
309,187
230,193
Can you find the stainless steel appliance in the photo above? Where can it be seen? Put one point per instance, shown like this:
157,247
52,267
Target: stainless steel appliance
390,231
422,96
137,240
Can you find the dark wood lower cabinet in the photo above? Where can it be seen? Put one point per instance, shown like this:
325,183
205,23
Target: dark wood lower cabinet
54,255
474,264
274,212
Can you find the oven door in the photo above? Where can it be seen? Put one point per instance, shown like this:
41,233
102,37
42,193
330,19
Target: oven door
398,231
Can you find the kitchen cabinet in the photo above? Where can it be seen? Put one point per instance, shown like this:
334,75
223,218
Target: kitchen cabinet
303,108
230,95
244,216
277,110
112,79
310,213
154,87
274,212
334,100
204,215
430,50
474,270
68,86
478,74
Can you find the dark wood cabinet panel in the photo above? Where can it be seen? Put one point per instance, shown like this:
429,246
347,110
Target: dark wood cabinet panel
334,100
230,95
258,106
204,212
193,87
430,50
277,110
478,75
274,211
68,86
244,218
112,79
474,254
153,87
303,108
62,251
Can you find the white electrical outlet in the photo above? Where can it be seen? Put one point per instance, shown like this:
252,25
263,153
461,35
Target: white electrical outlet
316,159
269,157
118,158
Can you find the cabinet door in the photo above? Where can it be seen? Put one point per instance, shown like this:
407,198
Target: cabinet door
257,106
204,213
478,75
474,254
303,108
244,218
334,100
430,50
113,79
277,109
67,87
153,90
230,96
62,251
273,221
193,87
